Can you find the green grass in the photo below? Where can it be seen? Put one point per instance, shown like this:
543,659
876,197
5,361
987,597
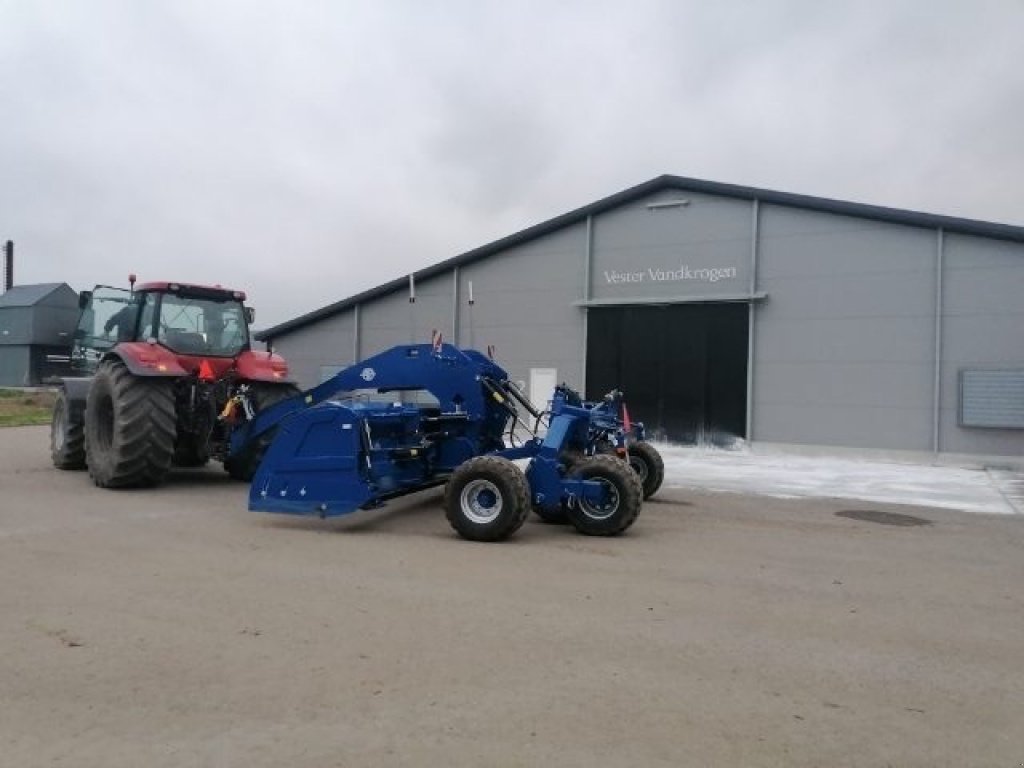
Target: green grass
22,409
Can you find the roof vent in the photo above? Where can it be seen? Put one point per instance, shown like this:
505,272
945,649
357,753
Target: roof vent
667,204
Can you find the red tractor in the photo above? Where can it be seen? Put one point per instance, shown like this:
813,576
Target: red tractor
163,371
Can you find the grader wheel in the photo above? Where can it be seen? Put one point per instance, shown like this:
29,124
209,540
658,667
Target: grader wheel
487,499
624,495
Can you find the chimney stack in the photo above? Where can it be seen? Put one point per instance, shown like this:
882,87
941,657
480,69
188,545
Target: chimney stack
8,265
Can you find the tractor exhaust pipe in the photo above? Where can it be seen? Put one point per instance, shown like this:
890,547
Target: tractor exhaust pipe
8,265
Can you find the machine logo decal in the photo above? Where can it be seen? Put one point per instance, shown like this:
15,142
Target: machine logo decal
368,374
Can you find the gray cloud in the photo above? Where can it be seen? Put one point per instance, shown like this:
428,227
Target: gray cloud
307,151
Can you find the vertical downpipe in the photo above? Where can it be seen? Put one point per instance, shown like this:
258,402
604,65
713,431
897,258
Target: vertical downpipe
469,313
940,247
455,307
412,309
588,255
755,235
355,335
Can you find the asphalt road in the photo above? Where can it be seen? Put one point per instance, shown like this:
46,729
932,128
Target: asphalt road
172,627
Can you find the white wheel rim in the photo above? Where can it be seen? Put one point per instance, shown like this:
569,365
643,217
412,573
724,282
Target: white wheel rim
480,501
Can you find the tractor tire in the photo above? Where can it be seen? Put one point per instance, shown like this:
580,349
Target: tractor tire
487,499
648,465
67,434
243,466
130,428
623,506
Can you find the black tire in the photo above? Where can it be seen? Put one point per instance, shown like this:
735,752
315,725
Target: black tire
552,516
648,465
67,433
129,427
623,506
487,499
243,466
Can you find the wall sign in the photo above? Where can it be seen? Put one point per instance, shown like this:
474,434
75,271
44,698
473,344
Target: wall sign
652,275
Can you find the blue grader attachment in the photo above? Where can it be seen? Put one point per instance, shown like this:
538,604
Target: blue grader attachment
341,447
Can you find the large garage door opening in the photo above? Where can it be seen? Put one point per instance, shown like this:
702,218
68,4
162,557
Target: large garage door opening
683,367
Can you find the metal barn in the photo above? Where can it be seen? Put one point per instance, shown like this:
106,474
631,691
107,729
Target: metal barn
35,321
731,313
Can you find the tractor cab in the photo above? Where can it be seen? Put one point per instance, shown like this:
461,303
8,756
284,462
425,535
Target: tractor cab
185,319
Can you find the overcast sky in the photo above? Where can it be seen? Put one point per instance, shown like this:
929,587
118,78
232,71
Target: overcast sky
305,151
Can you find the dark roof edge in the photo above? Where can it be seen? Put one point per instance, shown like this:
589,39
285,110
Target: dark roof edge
827,205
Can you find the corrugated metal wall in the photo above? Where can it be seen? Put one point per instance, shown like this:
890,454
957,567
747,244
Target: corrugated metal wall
850,314
844,343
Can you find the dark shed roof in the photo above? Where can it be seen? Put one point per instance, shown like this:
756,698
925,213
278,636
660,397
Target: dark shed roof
878,213
29,295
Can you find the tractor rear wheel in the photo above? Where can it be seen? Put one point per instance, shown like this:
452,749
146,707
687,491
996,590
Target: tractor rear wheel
487,499
129,427
244,465
67,434
624,495
648,465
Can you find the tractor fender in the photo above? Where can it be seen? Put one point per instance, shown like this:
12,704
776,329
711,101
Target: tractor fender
76,390
262,366
144,359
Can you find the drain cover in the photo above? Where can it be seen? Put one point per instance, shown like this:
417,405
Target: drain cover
883,518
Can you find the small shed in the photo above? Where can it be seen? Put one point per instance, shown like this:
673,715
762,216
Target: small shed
36,321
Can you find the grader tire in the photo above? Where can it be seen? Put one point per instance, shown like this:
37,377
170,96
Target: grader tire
243,466
129,428
487,499
67,434
648,465
620,510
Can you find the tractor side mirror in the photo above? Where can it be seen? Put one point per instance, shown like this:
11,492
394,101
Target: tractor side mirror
250,315
84,298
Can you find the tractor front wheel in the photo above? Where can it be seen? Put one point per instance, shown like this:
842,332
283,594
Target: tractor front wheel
487,499
621,505
129,427
67,434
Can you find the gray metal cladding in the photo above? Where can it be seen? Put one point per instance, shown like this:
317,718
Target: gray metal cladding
16,325
15,366
982,324
672,245
523,304
307,349
844,344
392,319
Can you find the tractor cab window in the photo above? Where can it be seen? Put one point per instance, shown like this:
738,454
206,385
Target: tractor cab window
110,317
202,326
